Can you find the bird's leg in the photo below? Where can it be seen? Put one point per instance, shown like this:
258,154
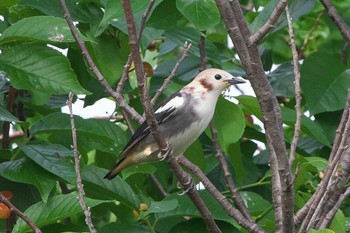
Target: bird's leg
188,186
165,153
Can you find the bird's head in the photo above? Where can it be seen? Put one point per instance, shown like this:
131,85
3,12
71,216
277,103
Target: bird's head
213,81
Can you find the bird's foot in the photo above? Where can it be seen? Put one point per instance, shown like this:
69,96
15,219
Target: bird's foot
188,186
165,153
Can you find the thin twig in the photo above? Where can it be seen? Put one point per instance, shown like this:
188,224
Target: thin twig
122,103
332,212
236,197
308,38
297,125
222,200
80,185
201,46
262,32
19,213
159,185
167,81
184,179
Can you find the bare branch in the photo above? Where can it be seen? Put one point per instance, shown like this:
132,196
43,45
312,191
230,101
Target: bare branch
236,197
338,149
80,185
297,125
94,68
226,205
283,193
337,19
184,179
167,81
201,46
266,28
19,213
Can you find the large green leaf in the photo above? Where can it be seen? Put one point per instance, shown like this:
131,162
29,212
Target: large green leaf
26,171
97,134
39,28
203,14
297,8
80,12
165,15
116,189
52,159
229,121
187,208
57,208
122,228
308,126
38,68
178,36
7,116
325,80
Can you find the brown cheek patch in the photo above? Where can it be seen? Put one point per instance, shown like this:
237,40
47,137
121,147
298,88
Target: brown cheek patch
206,84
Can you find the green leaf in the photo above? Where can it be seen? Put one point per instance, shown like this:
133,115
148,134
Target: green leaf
56,208
48,29
250,105
178,36
38,68
116,189
308,126
52,159
159,207
324,89
165,15
203,14
255,203
97,134
7,116
297,8
26,171
122,228
84,13
339,222
282,80
195,153
187,208
321,231
229,121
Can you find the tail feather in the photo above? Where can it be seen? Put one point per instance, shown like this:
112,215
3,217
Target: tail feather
114,171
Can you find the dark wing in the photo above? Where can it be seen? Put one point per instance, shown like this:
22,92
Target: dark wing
166,109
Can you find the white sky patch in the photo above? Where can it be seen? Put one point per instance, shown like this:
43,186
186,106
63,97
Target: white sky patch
102,108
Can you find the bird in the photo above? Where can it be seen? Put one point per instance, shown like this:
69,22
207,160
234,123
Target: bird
182,118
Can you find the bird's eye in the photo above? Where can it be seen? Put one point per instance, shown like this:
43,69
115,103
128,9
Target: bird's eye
217,76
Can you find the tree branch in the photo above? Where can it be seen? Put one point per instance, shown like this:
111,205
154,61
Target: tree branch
167,81
247,50
270,23
80,185
19,213
236,197
337,19
184,179
251,226
120,100
308,211
297,125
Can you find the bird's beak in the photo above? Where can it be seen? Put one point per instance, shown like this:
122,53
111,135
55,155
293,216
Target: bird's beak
235,80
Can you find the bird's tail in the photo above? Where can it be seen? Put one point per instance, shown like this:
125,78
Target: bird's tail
114,171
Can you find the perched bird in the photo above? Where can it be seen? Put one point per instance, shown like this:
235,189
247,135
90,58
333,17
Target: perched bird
182,118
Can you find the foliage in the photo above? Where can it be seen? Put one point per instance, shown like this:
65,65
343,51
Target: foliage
38,166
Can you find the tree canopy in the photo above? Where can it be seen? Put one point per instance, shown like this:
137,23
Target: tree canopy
278,161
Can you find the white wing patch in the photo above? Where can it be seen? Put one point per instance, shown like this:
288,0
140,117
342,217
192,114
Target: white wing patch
176,102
